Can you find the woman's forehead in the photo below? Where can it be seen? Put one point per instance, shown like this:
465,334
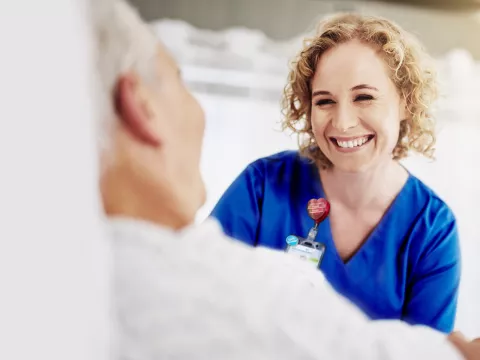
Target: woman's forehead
350,64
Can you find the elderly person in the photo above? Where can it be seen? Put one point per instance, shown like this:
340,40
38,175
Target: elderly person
359,95
184,291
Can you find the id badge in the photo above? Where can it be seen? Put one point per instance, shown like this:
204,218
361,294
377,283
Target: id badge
310,251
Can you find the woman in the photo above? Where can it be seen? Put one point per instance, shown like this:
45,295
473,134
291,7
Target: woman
359,97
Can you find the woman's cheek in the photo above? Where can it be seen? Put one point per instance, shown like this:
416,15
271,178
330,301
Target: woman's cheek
319,123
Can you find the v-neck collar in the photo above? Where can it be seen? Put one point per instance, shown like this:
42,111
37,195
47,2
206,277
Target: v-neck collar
325,230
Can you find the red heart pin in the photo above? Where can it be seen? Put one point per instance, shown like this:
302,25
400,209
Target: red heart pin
318,209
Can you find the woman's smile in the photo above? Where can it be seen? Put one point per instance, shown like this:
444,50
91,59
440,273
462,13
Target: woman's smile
351,144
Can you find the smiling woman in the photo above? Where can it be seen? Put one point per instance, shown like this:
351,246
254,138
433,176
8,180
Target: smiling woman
371,111
325,101
358,97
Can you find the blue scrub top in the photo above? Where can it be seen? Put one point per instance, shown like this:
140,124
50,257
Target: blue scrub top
408,268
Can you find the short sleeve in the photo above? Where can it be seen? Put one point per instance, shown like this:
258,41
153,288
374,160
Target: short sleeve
433,290
239,208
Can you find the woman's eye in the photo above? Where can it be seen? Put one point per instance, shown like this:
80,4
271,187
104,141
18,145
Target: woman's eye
324,102
364,98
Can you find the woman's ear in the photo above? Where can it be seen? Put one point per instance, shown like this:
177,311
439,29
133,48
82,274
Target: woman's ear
133,109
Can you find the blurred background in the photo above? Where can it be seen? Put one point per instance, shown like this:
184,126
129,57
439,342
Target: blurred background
55,267
234,55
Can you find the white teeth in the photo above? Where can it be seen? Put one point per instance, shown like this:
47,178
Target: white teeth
352,143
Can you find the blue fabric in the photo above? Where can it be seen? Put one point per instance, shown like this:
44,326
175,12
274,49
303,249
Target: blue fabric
408,268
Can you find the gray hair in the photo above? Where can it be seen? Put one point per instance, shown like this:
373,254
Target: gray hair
123,42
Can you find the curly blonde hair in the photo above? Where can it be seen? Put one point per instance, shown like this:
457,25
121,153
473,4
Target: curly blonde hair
411,71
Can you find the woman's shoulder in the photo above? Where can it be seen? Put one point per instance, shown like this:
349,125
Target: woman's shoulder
434,212
432,204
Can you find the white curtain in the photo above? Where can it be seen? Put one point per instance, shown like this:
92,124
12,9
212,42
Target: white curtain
238,76
54,263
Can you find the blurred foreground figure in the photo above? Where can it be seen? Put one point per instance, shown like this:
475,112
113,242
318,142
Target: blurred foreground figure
183,291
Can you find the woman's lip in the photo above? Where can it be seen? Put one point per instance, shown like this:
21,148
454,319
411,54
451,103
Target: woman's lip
353,148
349,138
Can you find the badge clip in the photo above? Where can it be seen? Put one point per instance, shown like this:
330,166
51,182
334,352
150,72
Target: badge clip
309,249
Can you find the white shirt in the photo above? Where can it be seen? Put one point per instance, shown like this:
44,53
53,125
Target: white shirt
197,294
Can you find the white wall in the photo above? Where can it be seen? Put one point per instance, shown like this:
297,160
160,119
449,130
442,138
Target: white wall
232,125
54,292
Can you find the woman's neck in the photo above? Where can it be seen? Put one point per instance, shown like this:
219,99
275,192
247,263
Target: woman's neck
373,188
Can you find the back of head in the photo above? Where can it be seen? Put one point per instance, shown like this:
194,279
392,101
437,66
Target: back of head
150,127
123,42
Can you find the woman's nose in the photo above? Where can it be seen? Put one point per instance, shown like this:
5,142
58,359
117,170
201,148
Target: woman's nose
344,118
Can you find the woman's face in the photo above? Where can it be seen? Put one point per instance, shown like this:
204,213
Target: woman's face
356,108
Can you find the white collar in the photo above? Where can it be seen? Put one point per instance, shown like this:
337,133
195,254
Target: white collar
138,226
122,227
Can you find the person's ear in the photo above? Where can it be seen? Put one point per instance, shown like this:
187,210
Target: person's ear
134,110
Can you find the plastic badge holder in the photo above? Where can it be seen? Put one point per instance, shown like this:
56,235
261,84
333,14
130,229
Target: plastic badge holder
305,249
309,249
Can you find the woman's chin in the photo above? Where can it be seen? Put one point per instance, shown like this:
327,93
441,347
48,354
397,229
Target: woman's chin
352,166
